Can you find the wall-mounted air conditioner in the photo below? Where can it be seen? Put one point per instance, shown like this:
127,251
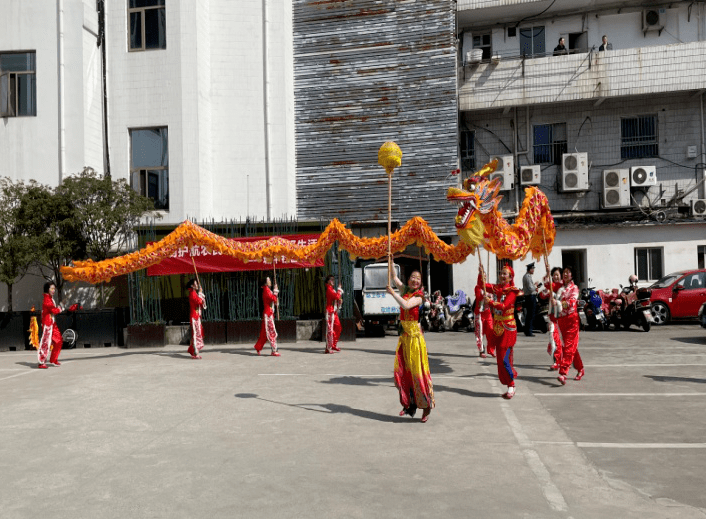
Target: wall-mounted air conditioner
505,171
530,175
574,172
654,19
616,188
698,207
643,176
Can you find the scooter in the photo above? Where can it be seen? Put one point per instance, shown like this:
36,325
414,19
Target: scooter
458,312
595,318
541,319
632,307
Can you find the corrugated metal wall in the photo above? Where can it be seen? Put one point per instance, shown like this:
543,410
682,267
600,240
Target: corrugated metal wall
367,72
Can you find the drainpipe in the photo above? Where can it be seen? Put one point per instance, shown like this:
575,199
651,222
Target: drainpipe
60,93
514,161
703,148
104,66
266,106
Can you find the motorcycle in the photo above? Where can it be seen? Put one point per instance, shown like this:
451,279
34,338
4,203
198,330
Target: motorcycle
541,318
458,312
632,307
595,317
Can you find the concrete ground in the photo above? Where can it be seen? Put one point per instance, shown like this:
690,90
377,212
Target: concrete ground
116,433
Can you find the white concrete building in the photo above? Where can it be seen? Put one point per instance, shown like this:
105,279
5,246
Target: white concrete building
200,103
614,138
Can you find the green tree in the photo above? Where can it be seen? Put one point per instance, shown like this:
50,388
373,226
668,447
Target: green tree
17,250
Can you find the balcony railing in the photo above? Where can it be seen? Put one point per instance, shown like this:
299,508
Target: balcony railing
511,80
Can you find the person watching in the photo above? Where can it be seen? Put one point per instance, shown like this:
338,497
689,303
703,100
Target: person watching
605,45
561,48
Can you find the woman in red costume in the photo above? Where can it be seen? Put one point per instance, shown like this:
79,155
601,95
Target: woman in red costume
501,299
412,377
552,291
268,331
196,302
483,318
569,327
333,324
51,335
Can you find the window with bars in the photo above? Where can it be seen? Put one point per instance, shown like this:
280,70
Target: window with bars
638,137
468,151
648,263
549,143
18,84
149,168
483,42
147,20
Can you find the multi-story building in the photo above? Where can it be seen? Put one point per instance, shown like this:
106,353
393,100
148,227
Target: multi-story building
610,127
192,101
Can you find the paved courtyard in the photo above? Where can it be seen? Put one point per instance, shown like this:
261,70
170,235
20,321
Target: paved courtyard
117,433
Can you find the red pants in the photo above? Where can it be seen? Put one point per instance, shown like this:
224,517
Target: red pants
484,328
503,346
267,333
333,330
56,343
569,328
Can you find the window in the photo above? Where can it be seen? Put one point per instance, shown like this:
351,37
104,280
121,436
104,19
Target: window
549,143
638,137
482,41
701,254
148,24
149,170
648,263
532,41
468,151
693,281
18,84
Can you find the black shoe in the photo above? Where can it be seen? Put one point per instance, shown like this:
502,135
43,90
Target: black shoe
529,334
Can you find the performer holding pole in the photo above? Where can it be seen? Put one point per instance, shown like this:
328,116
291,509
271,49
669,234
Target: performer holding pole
51,335
483,318
268,331
333,323
569,325
197,301
552,291
412,376
501,299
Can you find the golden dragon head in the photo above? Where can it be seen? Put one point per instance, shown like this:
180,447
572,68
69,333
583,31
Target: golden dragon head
478,196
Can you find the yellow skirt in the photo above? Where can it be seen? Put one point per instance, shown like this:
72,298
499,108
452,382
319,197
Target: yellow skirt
412,377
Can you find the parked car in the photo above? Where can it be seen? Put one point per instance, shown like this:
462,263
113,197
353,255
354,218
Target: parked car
679,295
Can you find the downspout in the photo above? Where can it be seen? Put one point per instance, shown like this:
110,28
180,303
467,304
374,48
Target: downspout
703,149
266,107
104,67
60,93
516,165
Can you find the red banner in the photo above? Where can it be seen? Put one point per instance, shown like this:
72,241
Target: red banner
207,261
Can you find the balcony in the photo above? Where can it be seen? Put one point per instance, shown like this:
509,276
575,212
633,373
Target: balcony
508,81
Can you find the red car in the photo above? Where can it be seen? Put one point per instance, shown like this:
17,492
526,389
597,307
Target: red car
678,295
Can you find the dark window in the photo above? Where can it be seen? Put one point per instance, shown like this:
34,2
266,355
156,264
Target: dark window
483,41
147,21
549,143
149,169
18,84
532,41
638,137
701,253
468,151
648,263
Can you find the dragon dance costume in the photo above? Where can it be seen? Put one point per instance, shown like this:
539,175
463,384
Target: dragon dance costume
483,320
51,335
551,291
267,330
569,325
333,323
195,304
504,334
412,377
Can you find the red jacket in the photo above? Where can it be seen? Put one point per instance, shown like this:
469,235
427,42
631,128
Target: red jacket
48,310
332,295
195,304
268,298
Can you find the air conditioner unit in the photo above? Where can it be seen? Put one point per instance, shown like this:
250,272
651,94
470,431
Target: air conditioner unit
616,188
698,207
574,172
654,19
505,171
530,175
642,176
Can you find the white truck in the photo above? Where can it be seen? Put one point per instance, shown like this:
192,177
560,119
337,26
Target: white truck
378,307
